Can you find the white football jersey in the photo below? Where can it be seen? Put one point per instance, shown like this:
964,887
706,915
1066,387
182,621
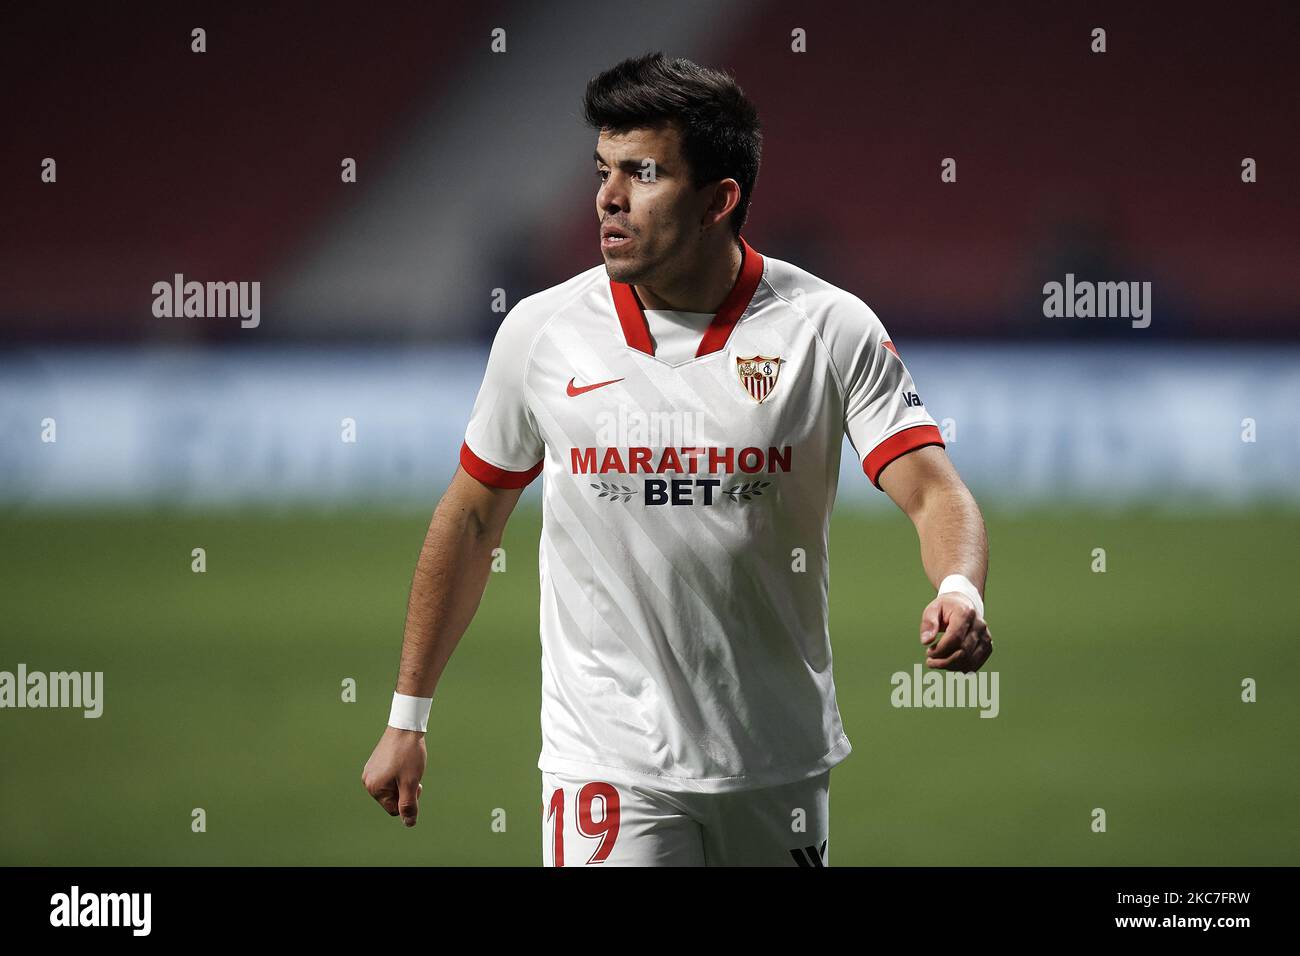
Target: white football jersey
686,509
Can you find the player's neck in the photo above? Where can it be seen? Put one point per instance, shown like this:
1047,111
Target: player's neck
704,287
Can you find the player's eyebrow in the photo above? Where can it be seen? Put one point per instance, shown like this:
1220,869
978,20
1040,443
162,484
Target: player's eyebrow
630,166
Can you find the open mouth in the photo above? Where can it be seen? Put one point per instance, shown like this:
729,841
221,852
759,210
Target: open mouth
613,237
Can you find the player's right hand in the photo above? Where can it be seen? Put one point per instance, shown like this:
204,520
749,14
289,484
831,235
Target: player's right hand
392,774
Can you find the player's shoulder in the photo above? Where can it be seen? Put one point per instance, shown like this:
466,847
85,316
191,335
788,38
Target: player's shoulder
528,318
832,310
532,312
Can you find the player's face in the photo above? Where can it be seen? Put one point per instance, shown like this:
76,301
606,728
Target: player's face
646,195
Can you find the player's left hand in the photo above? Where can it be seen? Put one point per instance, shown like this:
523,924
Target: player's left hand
966,643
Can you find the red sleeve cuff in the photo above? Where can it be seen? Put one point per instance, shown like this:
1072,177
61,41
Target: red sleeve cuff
494,476
897,445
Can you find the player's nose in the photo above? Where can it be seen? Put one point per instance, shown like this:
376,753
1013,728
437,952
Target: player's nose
612,196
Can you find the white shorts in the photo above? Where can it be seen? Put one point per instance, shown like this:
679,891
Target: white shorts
588,822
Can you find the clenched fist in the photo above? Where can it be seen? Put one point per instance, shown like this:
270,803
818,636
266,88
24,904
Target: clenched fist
966,643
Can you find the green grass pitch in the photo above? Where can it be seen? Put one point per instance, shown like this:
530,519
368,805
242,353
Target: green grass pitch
222,691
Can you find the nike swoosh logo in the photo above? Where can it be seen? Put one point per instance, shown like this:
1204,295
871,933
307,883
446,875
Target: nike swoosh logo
573,390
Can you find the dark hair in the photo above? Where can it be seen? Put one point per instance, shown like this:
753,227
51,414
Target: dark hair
721,137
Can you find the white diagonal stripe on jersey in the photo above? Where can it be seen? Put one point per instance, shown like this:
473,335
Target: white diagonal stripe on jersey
615,520
560,675
672,656
696,579
567,659
620,592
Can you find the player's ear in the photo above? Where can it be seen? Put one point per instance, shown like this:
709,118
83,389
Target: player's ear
723,198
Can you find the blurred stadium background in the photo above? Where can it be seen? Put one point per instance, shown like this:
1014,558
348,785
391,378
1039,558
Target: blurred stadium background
1119,690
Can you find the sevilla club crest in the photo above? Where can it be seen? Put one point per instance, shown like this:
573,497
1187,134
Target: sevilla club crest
758,374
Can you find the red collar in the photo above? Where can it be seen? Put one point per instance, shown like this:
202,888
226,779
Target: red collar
636,331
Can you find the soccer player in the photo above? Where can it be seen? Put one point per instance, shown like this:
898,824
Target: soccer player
685,404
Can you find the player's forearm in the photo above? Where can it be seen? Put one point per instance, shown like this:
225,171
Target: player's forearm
450,577
952,534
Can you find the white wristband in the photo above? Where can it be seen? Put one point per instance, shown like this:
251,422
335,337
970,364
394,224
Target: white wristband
410,713
960,584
